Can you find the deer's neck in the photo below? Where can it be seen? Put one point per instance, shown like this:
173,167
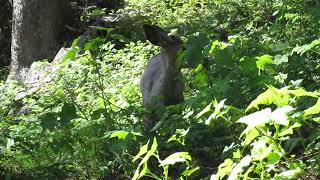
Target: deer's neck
170,62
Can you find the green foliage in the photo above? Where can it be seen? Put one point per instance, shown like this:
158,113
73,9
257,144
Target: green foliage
251,109
262,152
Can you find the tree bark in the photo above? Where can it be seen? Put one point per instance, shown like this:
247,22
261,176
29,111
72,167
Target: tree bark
37,27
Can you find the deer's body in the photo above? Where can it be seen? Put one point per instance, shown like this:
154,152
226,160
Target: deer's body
161,83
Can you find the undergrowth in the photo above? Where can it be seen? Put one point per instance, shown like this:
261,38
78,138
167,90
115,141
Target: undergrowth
251,108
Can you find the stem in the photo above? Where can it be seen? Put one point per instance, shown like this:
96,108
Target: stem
275,144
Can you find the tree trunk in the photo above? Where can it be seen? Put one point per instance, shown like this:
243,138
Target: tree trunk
36,30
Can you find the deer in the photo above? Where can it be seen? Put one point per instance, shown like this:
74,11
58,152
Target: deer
161,83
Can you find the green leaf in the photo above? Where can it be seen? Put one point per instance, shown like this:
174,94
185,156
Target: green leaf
119,134
153,149
302,92
179,136
302,49
280,115
279,59
315,109
279,97
289,174
251,134
236,154
93,44
176,157
248,65
214,47
225,57
71,54
216,113
224,169
189,172
48,121
204,111
273,158
289,131
256,119
260,150
145,170
194,48
143,150
201,75
240,166
154,145
263,60
68,113
317,120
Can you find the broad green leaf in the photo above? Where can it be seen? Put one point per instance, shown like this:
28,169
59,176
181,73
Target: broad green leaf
225,57
146,157
143,150
205,110
154,145
224,169
201,75
315,109
194,49
239,167
273,158
188,115
48,121
119,134
263,60
302,92
250,135
248,65
307,47
289,174
68,113
257,118
289,131
260,150
316,120
72,52
176,157
189,172
279,97
150,152
216,113
279,116
179,136
279,59
214,47
93,44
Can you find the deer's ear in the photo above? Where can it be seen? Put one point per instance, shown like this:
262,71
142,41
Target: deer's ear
156,35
